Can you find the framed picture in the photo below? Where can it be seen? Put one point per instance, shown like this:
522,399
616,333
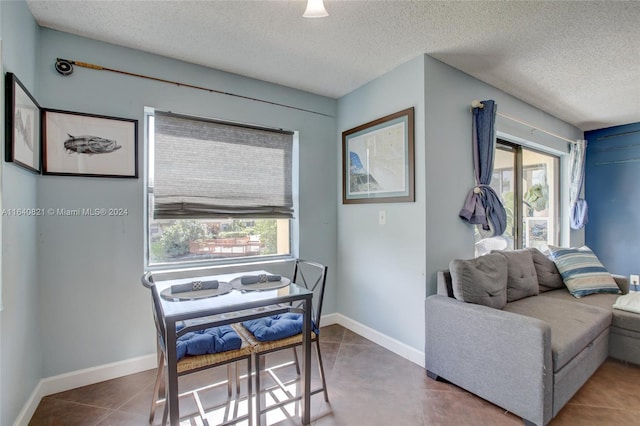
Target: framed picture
78,144
537,231
22,141
378,160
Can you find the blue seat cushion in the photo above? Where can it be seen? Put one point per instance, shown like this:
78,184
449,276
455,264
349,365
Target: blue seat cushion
208,341
275,327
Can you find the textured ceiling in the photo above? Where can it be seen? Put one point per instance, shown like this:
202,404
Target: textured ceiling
579,61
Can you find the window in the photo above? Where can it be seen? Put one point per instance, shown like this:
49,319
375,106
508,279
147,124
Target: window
528,182
216,190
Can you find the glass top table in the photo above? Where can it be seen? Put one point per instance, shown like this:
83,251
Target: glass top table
238,304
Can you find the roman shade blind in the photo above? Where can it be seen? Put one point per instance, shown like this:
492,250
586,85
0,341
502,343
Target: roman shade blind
209,169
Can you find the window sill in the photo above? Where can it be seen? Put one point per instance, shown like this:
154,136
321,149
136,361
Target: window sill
222,265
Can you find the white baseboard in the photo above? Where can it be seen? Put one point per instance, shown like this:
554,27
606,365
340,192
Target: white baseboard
79,378
395,346
88,376
29,407
329,319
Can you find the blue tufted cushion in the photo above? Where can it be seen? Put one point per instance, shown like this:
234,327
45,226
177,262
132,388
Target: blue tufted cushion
275,327
208,341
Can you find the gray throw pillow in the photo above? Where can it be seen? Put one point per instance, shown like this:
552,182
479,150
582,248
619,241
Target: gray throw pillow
522,279
482,280
548,276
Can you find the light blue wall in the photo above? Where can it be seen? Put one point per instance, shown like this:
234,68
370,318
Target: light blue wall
93,307
381,268
385,271
20,330
449,93
71,285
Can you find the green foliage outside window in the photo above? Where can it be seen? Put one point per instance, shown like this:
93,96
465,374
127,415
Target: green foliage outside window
233,234
175,238
267,230
537,197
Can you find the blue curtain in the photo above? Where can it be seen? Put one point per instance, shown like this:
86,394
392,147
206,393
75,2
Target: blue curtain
483,206
578,212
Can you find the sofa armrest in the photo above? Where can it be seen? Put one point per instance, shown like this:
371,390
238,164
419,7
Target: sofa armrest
500,356
623,283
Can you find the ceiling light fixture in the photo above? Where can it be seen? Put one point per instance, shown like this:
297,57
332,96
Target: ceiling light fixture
315,9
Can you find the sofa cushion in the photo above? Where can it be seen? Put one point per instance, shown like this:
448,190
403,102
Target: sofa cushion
582,272
482,280
522,280
573,325
621,319
548,276
629,302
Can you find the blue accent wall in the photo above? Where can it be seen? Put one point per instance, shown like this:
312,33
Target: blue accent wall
612,191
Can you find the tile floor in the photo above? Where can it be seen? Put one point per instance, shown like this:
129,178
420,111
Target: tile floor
368,385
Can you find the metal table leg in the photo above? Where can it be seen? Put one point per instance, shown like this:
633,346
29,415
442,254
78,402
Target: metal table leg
172,375
306,357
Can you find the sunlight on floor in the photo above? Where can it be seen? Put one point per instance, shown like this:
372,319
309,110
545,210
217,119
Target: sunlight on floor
222,411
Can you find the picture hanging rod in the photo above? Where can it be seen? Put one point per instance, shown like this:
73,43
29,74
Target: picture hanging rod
65,67
477,104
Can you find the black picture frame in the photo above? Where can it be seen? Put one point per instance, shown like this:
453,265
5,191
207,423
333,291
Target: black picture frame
22,133
90,145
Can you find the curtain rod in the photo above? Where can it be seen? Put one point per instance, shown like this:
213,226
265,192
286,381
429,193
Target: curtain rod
477,104
65,67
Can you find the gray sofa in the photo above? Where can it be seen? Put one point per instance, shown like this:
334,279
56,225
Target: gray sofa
532,355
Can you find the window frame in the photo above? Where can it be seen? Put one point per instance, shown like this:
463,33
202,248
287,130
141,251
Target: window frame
517,149
149,112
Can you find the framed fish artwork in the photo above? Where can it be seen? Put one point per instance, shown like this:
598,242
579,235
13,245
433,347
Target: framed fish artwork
79,144
22,141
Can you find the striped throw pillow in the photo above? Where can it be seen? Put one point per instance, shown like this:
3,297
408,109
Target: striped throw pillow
582,272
